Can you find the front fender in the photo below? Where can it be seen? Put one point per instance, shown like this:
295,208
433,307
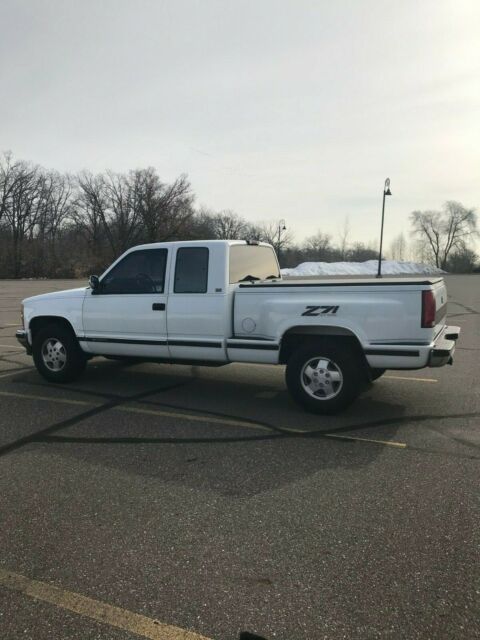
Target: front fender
67,308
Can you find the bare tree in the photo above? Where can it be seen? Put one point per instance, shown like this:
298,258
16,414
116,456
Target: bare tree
10,175
121,216
318,247
462,260
89,208
359,252
275,234
55,209
444,230
55,225
123,209
227,225
202,226
165,209
398,247
23,207
344,235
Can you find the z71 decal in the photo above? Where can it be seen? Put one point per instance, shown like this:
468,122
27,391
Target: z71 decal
319,311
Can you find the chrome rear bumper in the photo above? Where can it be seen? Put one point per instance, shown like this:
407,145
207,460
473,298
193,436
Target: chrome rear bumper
444,347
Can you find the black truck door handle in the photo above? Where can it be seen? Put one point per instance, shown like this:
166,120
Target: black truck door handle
158,306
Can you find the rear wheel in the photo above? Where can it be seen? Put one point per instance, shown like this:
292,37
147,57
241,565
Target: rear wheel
325,378
57,354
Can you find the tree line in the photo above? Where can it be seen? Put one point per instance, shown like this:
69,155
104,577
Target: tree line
58,225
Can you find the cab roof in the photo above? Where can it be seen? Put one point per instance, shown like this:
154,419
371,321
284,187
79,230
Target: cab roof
199,243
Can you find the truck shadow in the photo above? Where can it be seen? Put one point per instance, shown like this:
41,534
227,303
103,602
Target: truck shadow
226,459
235,466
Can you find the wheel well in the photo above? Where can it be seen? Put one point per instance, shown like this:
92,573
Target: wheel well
294,339
43,321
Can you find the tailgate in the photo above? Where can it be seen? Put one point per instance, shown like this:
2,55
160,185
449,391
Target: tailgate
440,292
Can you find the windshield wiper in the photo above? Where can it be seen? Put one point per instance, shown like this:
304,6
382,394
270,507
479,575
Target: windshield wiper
272,277
249,278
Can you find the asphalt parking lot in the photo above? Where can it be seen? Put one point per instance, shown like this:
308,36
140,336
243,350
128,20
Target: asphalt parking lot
178,502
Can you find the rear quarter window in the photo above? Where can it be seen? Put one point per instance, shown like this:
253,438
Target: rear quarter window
191,270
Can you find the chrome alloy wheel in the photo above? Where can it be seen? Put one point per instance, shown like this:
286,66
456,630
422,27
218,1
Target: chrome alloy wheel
321,378
54,354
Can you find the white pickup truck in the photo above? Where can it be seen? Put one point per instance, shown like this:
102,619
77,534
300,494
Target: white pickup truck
217,302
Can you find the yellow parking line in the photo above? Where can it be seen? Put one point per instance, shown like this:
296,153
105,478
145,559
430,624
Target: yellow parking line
11,373
44,398
95,609
240,423
389,443
198,418
411,378
193,417
153,412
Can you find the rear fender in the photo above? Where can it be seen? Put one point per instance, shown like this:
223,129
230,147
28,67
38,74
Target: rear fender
299,335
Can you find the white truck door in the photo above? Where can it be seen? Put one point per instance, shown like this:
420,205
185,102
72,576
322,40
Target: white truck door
197,304
127,314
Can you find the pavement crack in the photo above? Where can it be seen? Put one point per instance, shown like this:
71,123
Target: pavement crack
464,306
462,441
105,396
69,422
403,419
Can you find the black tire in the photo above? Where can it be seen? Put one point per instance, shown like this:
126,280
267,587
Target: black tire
69,359
343,360
376,373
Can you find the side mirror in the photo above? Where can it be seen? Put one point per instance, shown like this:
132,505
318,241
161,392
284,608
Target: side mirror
94,283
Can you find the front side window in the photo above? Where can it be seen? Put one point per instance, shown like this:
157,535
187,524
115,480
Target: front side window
191,270
139,272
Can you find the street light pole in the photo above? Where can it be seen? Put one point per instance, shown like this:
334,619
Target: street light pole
386,192
281,227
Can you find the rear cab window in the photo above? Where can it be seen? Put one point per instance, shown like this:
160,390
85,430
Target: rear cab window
254,261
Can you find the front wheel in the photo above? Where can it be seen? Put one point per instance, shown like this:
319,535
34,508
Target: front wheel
57,354
325,378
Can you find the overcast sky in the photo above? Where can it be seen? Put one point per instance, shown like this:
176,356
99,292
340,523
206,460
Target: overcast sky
275,109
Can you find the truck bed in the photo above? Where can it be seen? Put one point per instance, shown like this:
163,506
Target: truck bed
337,281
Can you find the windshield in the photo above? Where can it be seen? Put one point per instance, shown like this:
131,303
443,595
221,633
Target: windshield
252,262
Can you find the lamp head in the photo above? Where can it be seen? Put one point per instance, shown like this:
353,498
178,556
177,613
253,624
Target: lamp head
386,189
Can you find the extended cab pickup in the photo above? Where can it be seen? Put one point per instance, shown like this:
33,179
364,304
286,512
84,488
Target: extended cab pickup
217,302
